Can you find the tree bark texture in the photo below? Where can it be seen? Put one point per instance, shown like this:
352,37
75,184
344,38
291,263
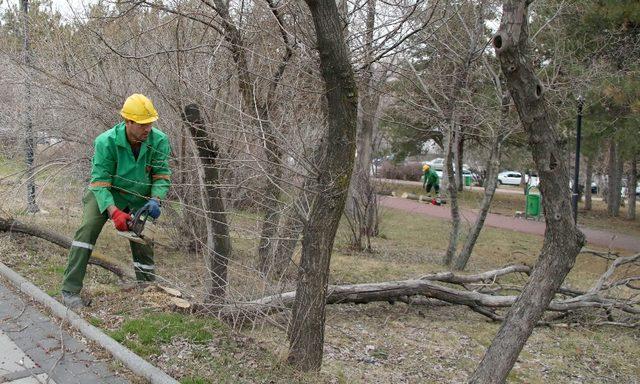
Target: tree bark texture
335,165
30,146
631,188
562,240
587,183
452,189
614,184
218,240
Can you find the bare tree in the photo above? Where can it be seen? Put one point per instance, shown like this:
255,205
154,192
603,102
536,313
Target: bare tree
32,206
361,206
218,241
562,240
453,138
334,167
491,180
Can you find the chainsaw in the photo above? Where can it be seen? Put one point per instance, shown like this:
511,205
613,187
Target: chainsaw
136,227
438,201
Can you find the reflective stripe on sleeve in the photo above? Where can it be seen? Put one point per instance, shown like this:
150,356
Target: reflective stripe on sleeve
165,177
80,244
143,266
100,184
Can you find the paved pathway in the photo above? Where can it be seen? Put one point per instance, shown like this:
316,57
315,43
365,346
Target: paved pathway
506,189
33,349
596,237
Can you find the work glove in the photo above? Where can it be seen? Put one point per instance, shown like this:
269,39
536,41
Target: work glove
154,208
120,219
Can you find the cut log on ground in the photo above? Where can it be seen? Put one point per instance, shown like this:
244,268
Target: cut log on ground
480,292
15,226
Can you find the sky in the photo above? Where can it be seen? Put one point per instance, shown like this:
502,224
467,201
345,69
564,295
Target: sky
65,7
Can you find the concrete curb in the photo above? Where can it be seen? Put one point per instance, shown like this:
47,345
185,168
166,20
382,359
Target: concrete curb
132,361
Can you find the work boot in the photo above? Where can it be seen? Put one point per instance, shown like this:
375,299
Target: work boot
74,300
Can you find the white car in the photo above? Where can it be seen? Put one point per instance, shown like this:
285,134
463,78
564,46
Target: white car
624,192
436,164
509,178
532,180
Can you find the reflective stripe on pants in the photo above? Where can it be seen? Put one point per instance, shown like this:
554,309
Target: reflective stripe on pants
84,240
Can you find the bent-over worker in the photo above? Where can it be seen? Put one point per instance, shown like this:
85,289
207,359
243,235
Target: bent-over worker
430,179
129,170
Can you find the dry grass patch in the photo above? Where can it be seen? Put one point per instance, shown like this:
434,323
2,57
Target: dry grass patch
372,343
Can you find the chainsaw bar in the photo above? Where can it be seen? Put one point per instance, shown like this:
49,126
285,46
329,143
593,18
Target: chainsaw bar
133,237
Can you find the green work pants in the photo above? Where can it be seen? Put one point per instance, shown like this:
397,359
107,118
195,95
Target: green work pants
84,241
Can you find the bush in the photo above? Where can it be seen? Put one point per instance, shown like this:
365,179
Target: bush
411,171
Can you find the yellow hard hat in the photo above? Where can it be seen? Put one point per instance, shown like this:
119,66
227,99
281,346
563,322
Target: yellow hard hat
425,167
140,109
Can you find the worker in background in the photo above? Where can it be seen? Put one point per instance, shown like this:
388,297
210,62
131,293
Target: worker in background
430,180
130,170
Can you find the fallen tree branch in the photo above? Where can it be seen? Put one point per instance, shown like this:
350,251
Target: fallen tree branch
450,277
15,226
426,290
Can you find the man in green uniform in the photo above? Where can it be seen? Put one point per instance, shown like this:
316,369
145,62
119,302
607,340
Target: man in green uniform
130,170
430,179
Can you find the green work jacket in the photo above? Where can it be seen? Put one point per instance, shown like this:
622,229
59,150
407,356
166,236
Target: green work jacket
117,178
430,177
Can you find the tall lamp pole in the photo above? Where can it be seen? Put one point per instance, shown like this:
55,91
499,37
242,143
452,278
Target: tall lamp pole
575,194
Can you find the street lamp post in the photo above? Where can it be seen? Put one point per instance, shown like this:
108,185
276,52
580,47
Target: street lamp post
575,194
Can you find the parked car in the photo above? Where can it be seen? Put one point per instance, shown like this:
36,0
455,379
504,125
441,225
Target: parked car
509,178
532,180
624,191
594,187
437,164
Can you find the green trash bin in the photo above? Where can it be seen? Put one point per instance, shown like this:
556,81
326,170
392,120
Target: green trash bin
467,180
533,202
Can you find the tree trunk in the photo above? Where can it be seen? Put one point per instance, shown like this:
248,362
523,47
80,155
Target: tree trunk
631,187
587,183
459,159
493,168
461,76
272,202
614,181
361,205
290,231
30,146
335,165
218,241
562,240
491,183
452,192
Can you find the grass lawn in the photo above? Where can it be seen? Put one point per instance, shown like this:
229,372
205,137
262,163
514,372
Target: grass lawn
376,342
